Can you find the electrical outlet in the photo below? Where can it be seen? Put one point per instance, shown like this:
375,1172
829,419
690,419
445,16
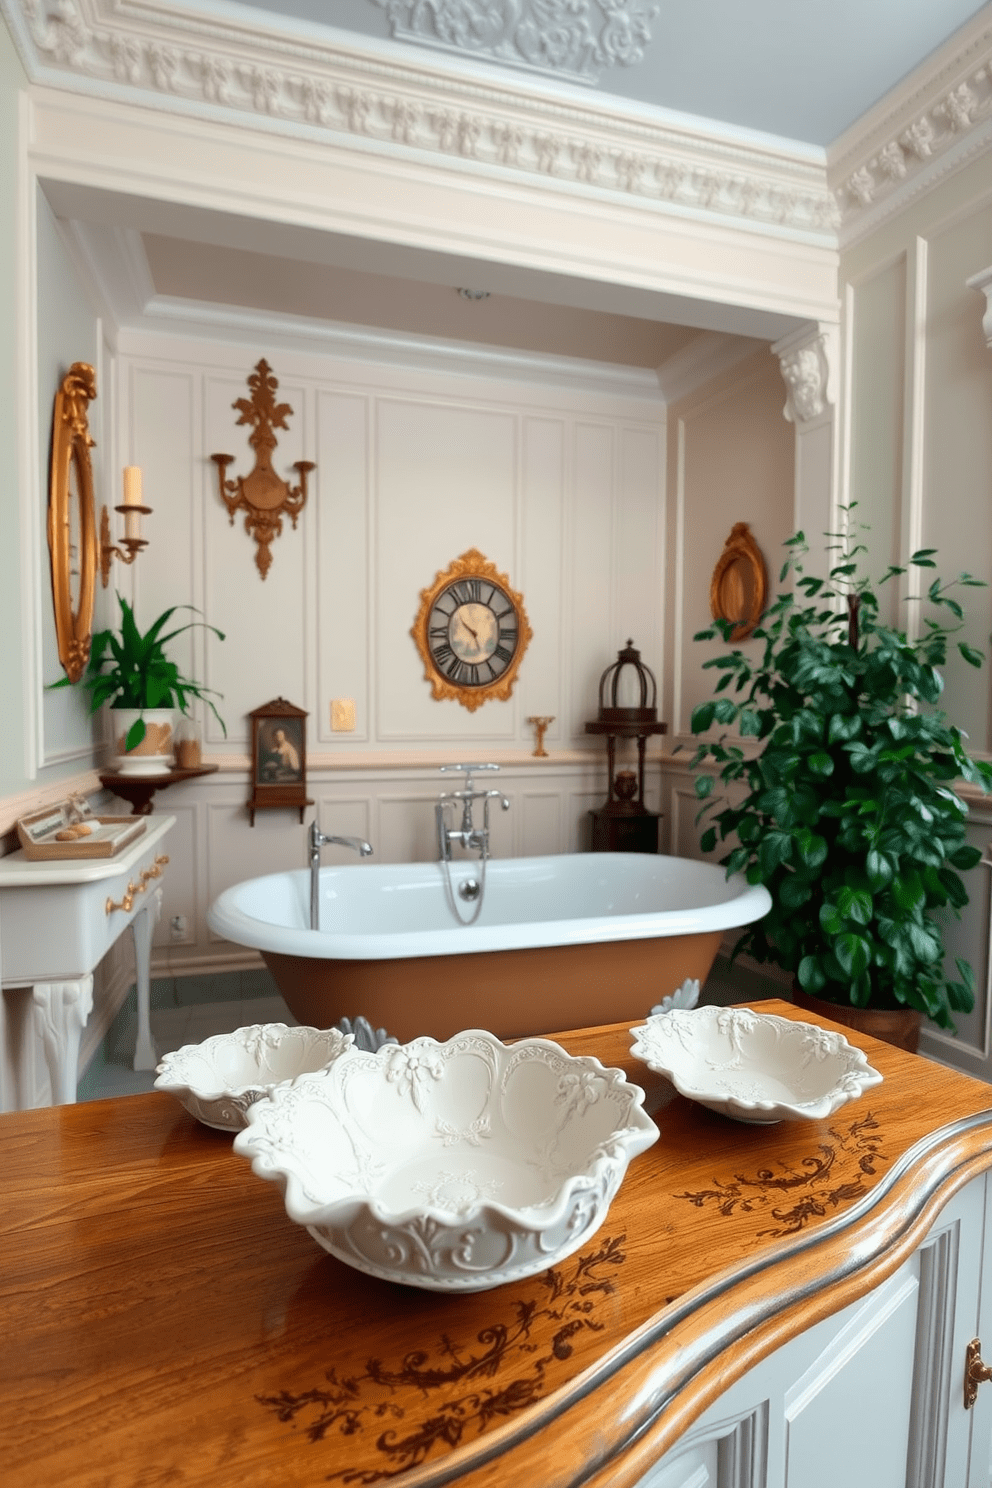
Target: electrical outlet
177,927
342,715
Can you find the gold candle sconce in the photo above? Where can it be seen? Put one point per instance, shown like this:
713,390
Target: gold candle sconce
132,511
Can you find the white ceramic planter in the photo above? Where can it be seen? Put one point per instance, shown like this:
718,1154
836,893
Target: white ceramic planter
155,752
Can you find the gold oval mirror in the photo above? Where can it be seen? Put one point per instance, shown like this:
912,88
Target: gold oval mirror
72,519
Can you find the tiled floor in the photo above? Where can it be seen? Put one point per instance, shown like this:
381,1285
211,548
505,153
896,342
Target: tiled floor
189,1022
189,1010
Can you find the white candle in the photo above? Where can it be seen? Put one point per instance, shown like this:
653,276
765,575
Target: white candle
132,485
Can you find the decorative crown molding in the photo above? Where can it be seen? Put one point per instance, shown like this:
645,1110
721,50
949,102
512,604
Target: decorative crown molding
573,41
939,118
307,80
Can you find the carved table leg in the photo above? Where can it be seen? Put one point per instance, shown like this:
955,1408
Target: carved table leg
142,928
60,1013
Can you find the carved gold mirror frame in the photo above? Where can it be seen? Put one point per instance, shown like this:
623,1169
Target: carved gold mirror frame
72,519
482,580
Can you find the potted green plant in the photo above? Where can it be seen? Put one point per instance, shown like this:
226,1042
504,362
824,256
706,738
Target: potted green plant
131,673
847,810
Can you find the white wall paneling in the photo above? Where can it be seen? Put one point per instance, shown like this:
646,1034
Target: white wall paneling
732,460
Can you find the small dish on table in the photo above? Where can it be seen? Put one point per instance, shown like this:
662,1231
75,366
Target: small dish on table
754,1067
219,1080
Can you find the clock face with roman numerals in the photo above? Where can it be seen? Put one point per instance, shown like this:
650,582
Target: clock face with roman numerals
471,631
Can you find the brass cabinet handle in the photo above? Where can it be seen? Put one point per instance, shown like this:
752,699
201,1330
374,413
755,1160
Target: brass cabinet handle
127,903
133,890
976,1372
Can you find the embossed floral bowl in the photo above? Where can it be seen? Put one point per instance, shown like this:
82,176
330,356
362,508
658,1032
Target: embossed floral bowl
755,1067
217,1081
453,1166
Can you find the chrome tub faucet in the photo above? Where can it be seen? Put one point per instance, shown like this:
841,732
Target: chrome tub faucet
317,840
466,834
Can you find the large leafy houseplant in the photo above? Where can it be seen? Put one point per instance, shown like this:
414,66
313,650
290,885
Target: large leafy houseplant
847,810
130,669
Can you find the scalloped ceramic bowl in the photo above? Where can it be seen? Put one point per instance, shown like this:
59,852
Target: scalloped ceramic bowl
217,1081
754,1067
454,1166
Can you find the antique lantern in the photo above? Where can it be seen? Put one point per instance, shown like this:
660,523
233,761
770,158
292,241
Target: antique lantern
624,823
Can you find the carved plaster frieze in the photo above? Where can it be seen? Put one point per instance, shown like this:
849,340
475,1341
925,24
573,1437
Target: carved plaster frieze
931,127
808,361
182,60
571,39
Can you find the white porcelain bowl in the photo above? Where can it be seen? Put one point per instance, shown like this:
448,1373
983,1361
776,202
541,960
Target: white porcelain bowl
453,1166
755,1067
217,1081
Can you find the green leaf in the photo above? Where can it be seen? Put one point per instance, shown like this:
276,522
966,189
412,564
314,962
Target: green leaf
813,850
853,954
925,946
774,850
820,763
965,857
702,717
856,905
810,975
878,869
971,654
704,785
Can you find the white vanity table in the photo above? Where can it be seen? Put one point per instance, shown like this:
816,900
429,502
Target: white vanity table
58,919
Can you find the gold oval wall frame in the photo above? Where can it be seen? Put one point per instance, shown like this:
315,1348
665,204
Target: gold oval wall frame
71,480
739,583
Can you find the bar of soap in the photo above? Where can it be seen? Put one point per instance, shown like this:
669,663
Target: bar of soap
81,829
68,835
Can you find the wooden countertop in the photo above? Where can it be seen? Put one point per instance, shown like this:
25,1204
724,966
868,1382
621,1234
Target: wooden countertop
164,1322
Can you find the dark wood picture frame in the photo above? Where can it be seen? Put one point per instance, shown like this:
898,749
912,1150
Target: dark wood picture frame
278,758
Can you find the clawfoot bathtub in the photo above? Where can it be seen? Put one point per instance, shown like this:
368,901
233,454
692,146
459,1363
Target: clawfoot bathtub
561,942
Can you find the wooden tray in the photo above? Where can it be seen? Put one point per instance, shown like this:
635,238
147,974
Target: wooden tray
107,836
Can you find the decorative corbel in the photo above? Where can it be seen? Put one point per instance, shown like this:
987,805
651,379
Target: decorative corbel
264,498
983,283
808,359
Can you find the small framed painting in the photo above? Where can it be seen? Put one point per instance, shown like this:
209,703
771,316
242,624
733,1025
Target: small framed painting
279,758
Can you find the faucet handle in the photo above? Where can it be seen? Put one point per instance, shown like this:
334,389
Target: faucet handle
468,769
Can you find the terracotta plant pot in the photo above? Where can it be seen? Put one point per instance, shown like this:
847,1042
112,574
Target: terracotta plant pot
898,1026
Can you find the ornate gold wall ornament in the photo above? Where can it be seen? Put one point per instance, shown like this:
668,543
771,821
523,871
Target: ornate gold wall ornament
739,583
471,632
264,498
71,519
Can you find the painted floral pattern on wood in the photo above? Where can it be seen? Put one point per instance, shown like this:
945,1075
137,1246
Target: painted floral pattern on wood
462,1389
792,1197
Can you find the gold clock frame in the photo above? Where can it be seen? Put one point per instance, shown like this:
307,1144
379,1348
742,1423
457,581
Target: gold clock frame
71,443
471,565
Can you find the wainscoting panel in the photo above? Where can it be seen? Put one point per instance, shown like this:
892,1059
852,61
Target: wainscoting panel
342,602
539,823
445,481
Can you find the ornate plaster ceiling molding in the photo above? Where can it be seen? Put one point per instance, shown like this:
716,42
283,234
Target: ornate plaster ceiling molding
165,57
931,126
571,39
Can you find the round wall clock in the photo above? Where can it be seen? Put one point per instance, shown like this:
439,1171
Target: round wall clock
471,632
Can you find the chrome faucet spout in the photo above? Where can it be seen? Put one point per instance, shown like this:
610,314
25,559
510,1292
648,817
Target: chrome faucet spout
316,840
